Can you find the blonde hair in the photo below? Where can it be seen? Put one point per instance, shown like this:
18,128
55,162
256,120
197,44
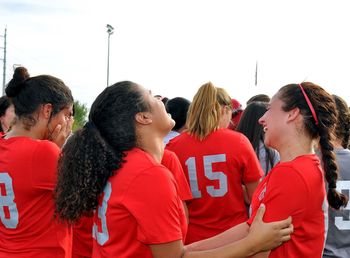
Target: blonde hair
205,110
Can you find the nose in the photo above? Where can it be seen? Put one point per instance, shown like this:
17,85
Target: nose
262,120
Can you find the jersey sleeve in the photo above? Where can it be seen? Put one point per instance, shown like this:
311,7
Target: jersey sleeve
171,162
252,170
45,158
285,195
159,210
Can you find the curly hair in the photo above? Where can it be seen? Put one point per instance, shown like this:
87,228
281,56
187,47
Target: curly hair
95,152
326,113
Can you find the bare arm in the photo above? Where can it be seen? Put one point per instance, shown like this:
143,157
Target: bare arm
186,211
261,237
261,255
250,188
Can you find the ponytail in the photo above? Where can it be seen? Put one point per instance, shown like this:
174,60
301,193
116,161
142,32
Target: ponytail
335,199
204,112
94,153
86,163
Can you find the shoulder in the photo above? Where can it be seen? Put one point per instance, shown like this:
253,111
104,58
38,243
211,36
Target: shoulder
141,164
286,174
231,135
168,155
46,148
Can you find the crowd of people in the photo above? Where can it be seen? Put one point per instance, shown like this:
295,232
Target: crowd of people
149,176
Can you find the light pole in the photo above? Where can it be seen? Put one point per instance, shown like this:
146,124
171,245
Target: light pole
4,63
110,31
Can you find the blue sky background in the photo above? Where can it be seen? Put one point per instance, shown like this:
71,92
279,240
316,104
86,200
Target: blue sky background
173,47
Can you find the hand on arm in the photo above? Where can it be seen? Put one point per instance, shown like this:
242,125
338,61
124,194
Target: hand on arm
261,237
267,236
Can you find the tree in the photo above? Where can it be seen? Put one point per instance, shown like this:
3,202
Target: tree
80,115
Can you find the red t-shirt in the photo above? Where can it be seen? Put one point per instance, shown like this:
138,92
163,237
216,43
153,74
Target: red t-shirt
28,171
140,206
171,161
295,188
216,168
82,230
82,237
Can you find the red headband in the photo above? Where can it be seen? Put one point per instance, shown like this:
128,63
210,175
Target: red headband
309,104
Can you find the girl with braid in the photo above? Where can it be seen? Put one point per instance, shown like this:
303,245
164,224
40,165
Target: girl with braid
338,235
113,166
298,116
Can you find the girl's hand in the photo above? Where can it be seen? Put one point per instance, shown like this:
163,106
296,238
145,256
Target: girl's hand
267,236
62,131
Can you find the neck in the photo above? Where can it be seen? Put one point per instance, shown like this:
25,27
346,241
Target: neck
153,145
19,129
295,148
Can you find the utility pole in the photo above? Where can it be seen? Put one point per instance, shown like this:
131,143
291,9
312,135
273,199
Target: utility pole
4,63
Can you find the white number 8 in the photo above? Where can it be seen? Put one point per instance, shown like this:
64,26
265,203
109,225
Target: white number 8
7,197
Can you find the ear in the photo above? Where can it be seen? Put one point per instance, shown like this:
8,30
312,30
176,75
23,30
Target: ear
225,110
46,110
143,118
293,114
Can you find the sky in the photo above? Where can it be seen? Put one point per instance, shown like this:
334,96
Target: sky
172,47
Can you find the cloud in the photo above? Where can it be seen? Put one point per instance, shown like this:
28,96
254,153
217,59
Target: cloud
28,7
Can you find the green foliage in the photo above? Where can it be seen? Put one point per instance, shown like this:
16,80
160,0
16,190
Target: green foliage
80,115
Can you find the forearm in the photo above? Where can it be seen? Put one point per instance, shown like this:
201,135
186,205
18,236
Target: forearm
239,249
227,237
261,255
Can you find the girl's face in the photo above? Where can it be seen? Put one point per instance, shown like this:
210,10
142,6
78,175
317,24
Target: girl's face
61,118
273,122
226,115
7,118
161,120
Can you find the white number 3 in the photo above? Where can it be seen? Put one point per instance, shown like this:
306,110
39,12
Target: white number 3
7,196
102,237
340,222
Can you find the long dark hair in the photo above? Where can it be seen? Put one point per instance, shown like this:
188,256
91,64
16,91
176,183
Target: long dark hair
249,125
93,153
326,113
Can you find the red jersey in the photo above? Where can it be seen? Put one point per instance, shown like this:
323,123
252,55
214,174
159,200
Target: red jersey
216,168
28,171
82,237
295,188
82,230
171,162
140,206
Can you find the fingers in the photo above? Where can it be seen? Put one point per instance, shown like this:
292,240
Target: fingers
260,213
283,223
56,131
